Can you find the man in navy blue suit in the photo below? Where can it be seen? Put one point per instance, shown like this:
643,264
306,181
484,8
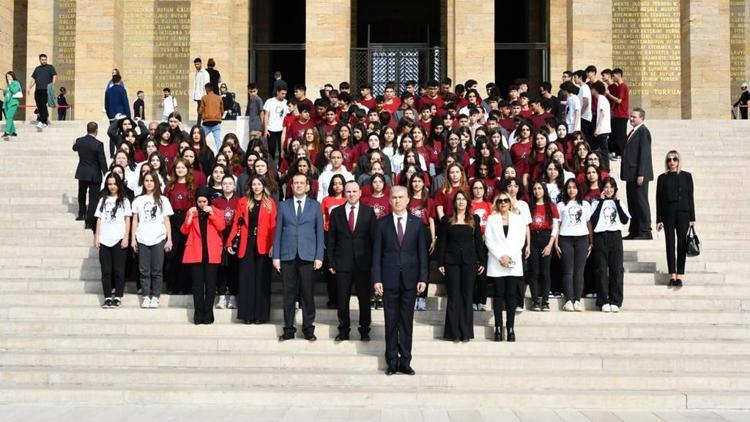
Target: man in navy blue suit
399,272
297,252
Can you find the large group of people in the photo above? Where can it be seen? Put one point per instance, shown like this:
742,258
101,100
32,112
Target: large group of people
365,191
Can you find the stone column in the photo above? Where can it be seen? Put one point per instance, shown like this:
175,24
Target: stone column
471,41
6,37
589,34
327,43
558,41
99,47
705,59
40,35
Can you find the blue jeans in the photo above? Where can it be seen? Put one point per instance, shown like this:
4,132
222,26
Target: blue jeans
216,131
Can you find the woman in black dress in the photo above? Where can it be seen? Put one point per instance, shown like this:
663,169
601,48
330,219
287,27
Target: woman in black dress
675,212
254,222
462,256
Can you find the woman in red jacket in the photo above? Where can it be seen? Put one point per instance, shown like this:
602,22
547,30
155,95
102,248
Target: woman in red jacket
251,239
203,226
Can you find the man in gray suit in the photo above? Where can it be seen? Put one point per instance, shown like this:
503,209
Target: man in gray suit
297,252
637,171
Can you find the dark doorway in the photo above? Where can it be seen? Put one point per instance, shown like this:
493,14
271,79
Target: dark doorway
521,43
277,43
398,21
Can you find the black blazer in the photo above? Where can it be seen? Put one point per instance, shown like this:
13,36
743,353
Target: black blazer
91,161
347,251
399,266
636,157
461,245
674,188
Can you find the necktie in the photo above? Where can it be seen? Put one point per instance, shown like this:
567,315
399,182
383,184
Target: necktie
299,209
400,232
351,219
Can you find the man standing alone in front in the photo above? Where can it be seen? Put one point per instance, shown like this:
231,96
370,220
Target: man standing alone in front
43,75
399,272
637,170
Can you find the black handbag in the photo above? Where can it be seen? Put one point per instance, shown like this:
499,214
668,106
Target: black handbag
693,243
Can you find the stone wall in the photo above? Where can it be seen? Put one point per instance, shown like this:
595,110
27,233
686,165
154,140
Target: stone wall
328,42
471,40
6,36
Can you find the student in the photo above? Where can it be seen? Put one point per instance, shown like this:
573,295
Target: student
151,236
168,104
202,227
421,206
226,284
334,199
574,243
62,104
139,106
482,209
111,238
607,219
181,194
543,230
461,257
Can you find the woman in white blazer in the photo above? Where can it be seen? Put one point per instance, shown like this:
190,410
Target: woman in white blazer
505,236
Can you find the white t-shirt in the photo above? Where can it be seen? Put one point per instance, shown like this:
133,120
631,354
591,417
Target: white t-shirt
151,229
585,92
112,220
169,104
523,211
574,218
573,104
608,218
276,111
603,115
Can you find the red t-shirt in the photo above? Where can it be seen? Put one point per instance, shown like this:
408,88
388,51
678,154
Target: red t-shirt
381,206
393,106
526,113
416,209
446,200
538,119
297,129
168,151
539,219
519,154
425,100
370,104
228,207
622,110
328,128
508,124
178,197
329,203
482,209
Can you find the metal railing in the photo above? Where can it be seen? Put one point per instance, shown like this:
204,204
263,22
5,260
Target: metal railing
380,64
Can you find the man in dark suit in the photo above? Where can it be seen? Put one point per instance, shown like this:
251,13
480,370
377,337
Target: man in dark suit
297,252
349,250
637,171
399,271
91,167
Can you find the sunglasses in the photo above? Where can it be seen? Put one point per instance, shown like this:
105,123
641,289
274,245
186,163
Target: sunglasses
675,159
503,201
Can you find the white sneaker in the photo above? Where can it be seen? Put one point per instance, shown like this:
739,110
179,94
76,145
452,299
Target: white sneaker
615,308
606,308
482,307
39,125
154,303
578,306
475,307
146,303
519,309
232,302
568,307
221,304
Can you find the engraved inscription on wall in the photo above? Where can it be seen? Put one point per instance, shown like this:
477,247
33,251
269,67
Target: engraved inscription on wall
646,45
738,45
172,50
64,49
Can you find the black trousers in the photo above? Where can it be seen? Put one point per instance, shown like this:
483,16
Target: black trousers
274,144
539,273
506,293
480,289
176,274
330,279
676,222
363,285
640,210
297,277
40,98
93,197
112,260
62,113
588,130
198,109
601,148
607,253
743,113
204,291
619,134
574,250
254,286
459,315
398,307
226,282
431,259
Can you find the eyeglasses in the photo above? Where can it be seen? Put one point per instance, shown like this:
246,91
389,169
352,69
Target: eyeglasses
675,159
503,201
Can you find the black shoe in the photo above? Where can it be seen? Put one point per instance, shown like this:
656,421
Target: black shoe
364,334
536,307
116,302
88,227
545,307
672,282
342,337
80,218
643,236
630,236
310,337
498,333
286,336
107,303
390,370
14,134
678,283
406,369
511,334
247,321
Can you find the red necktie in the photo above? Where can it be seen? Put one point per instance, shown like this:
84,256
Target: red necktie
400,232
351,219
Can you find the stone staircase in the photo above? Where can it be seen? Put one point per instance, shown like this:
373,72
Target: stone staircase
667,349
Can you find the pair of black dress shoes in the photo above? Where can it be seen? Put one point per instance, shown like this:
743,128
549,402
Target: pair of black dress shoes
290,336
364,335
674,283
404,369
